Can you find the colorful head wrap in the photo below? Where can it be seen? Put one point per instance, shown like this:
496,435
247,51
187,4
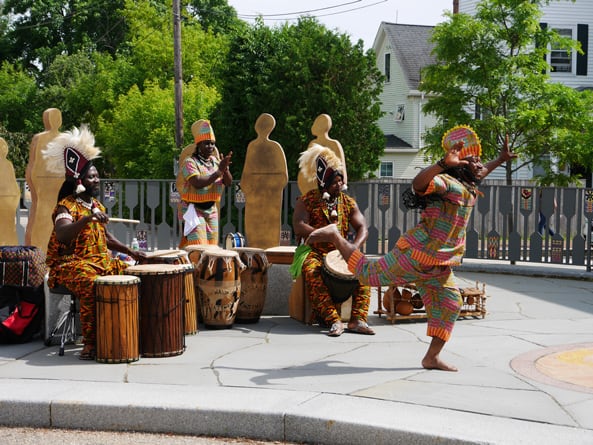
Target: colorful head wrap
205,132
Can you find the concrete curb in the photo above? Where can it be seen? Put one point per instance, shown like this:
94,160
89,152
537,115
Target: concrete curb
263,414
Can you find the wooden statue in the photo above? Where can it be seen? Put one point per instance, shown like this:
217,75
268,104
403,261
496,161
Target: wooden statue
320,130
264,177
10,195
44,185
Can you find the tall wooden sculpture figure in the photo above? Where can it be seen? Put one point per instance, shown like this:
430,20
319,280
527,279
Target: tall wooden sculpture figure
9,199
44,185
320,130
263,180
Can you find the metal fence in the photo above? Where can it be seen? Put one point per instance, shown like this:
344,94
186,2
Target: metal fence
503,226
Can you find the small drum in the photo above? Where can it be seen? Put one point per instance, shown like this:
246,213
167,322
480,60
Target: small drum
234,240
254,284
170,256
118,318
339,280
219,280
161,308
280,254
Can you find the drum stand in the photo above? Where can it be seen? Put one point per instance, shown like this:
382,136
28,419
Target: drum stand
66,324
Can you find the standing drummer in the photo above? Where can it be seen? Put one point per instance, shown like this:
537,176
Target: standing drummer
328,204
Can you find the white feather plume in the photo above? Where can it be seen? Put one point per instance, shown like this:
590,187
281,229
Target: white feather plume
308,160
79,138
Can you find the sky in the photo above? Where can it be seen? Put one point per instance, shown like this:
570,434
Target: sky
358,18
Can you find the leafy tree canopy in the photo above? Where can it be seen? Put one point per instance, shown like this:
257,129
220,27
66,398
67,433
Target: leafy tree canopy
491,73
295,73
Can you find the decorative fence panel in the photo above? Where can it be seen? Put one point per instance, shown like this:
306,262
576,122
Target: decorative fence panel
503,226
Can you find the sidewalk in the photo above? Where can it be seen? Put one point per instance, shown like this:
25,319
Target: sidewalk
526,376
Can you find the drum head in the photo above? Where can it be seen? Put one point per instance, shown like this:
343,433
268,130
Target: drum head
155,269
222,253
336,265
117,279
201,247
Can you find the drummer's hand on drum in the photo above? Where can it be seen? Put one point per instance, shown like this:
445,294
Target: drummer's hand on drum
327,234
138,255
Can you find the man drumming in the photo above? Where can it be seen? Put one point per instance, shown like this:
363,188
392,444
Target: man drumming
328,204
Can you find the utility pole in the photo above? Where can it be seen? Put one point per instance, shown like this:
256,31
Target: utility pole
178,73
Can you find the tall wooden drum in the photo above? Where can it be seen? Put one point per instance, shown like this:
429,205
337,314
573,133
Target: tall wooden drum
181,257
162,308
219,272
254,284
118,318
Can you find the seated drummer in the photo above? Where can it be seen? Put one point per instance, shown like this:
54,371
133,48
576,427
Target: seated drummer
328,204
79,246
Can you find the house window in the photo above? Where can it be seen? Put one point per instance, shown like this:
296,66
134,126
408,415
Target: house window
386,170
400,113
387,67
561,60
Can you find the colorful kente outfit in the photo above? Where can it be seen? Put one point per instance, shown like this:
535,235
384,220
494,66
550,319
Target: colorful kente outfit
204,201
425,254
77,265
322,306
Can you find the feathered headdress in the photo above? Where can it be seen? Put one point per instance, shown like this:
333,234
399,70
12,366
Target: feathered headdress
70,153
320,163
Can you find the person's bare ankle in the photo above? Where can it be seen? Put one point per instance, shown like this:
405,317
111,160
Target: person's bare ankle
437,363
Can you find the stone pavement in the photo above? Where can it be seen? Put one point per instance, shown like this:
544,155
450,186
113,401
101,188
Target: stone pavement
526,376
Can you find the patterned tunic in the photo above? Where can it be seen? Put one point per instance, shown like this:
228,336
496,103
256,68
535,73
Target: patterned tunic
207,230
77,265
323,308
424,255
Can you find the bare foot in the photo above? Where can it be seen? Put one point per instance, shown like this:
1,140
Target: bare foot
323,234
437,363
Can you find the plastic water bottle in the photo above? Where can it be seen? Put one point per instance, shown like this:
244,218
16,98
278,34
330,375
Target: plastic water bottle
135,245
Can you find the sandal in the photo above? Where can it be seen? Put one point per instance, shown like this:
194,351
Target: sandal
336,330
88,353
361,327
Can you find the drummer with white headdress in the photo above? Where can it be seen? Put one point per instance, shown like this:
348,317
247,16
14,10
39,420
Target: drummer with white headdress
328,204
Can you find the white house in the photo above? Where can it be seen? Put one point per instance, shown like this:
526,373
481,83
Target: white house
403,50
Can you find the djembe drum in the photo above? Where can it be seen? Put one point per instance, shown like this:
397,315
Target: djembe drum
219,279
194,252
162,293
118,318
181,257
254,284
339,280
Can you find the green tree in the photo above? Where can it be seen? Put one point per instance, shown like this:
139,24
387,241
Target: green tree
43,29
491,73
296,72
138,137
216,16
